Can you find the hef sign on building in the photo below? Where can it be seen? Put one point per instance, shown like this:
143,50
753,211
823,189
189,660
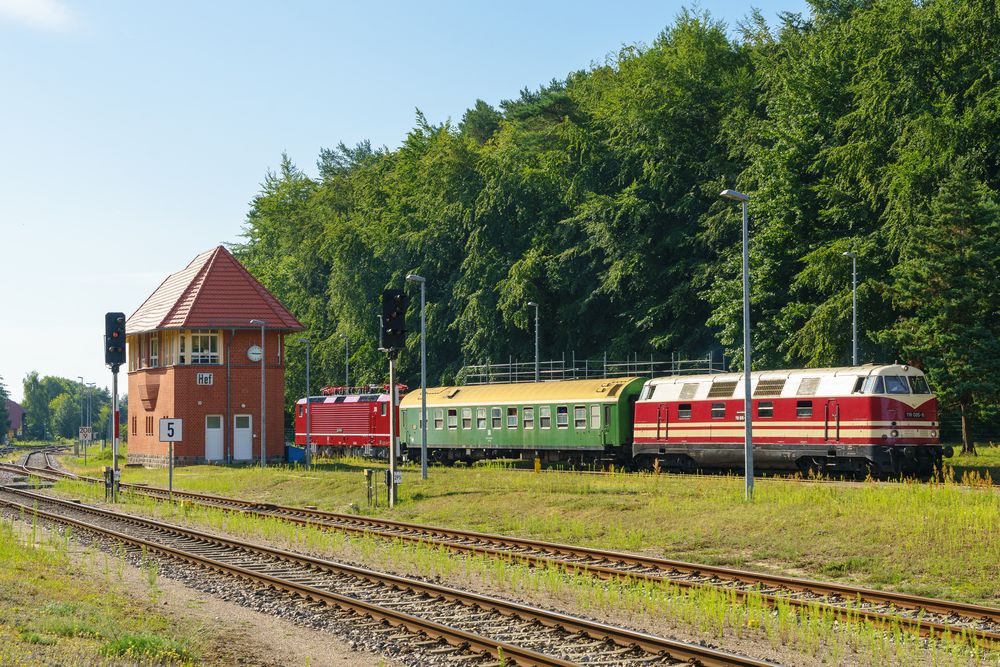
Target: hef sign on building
193,356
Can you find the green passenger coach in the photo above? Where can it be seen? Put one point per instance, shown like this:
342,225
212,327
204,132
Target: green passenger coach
591,417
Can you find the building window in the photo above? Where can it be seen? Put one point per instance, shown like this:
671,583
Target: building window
803,408
595,416
452,418
718,410
204,348
580,417
135,425
497,418
511,417
438,418
765,409
544,416
529,418
154,351
562,417
149,426
684,411
481,418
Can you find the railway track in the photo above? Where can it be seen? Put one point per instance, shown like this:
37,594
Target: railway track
915,614
510,632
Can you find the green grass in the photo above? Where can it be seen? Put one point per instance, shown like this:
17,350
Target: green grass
986,462
54,610
941,540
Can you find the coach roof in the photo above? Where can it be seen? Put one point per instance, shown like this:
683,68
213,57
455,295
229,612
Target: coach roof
559,391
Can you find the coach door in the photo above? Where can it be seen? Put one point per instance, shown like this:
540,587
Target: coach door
242,437
831,422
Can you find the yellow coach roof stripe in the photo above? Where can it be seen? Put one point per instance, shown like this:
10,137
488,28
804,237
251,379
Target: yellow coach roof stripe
561,391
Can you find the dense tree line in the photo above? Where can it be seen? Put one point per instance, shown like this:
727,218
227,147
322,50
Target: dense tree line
869,126
56,407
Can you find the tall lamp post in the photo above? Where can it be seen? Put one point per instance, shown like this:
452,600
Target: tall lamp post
347,361
535,304
263,415
854,305
423,372
747,417
82,401
308,406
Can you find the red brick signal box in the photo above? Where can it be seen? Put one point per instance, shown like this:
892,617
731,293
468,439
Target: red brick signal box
193,355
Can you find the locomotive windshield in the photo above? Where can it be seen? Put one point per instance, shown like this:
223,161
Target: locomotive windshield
919,385
896,384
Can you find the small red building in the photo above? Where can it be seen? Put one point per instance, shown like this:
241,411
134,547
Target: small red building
193,355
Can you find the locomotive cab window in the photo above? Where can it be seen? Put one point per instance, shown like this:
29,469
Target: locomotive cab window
766,408
858,385
874,385
496,418
511,417
647,392
562,417
300,411
579,417
803,409
918,385
481,418
529,418
439,418
718,410
466,418
381,409
684,411
895,384
544,416
452,418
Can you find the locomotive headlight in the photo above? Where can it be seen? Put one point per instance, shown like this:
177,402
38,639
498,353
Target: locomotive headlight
933,434
894,433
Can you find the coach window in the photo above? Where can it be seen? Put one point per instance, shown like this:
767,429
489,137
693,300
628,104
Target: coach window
562,417
511,417
874,385
718,410
452,418
895,384
439,419
579,417
595,416
684,411
919,385
544,416
496,418
803,408
765,409
466,418
481,418
529,418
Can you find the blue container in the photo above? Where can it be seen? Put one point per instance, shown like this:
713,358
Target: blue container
295,454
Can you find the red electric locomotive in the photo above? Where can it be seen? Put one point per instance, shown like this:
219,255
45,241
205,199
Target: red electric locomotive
878,420
347,421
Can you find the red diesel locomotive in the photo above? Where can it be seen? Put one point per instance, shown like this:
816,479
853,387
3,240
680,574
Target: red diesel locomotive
879,420
346,421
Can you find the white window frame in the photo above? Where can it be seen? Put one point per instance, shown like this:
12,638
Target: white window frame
496,418
544,416
480,419
154,351
439,419
528,417
512,417
595,416
579,417
466,419
562,416
452,418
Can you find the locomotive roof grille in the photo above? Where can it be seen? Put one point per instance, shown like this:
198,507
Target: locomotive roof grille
722,390
807,387
769,388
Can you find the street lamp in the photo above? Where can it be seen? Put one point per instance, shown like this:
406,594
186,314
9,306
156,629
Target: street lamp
347,362
747,418
78,439
854,305
308,406
423,373
535,304
263,416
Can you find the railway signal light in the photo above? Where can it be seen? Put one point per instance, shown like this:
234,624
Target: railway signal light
114,339
394,302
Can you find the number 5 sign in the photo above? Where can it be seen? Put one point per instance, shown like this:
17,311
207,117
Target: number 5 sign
171,430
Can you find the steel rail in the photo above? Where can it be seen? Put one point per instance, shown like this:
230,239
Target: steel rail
657,646
612,565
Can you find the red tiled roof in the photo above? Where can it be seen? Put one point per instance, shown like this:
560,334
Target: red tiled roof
213,291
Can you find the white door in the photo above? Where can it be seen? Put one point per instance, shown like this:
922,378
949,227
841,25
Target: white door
213,438
243,437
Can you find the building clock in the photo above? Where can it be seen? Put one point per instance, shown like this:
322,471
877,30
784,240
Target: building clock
255,353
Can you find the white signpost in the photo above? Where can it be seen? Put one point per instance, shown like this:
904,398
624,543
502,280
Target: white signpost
171,430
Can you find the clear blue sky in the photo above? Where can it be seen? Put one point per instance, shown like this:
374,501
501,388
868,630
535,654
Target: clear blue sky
133,135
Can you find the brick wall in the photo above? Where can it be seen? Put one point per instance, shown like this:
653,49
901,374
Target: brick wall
178,395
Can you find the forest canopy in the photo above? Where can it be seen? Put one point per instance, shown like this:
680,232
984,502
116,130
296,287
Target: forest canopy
868,126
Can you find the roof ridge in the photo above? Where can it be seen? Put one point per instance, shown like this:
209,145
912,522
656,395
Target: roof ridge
187,289
202,274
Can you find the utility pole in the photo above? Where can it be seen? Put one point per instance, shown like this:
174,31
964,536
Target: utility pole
308,405
423,372
535,304
263,405
854,306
